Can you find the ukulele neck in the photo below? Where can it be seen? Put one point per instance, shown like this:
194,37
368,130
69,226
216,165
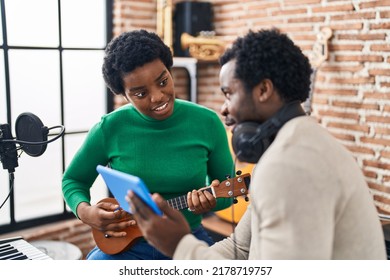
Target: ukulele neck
180,202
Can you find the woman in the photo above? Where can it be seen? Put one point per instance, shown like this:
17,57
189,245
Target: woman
175,146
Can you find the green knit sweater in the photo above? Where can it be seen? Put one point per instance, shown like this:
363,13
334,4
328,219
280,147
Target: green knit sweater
172,156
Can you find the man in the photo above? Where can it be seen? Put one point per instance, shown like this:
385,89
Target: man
309,199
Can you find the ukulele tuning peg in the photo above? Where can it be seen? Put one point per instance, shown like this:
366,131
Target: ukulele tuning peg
227,176
239,172
246,198
235,200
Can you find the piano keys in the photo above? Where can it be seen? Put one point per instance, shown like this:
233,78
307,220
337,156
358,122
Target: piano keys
17,248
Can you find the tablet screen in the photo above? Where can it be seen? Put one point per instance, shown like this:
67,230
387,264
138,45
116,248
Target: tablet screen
119,183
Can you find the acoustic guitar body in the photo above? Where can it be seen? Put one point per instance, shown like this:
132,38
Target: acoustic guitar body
115,245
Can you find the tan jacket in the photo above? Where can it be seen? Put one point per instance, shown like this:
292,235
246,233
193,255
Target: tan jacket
309,200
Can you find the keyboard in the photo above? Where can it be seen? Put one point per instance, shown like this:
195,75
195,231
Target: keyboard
16,248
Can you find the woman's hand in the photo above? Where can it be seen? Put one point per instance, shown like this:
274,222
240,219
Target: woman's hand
106,217
200,201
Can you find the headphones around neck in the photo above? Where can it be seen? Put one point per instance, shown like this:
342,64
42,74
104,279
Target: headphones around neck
251,139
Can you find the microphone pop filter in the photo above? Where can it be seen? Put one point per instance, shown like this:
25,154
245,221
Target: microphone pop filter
30,128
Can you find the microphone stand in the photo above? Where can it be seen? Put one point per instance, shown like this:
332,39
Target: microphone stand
8,149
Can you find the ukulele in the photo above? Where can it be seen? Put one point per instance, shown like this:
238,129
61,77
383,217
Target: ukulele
231,187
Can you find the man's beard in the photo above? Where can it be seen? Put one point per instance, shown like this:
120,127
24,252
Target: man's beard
229,121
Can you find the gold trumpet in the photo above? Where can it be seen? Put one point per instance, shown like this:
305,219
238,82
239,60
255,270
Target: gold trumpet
203,47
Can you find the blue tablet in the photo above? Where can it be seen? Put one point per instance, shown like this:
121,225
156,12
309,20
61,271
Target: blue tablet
120,183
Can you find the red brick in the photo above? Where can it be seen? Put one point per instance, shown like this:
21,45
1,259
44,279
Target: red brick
382,25
370,174
286,12
300,2
379,72
342,115
353,15
344,137
349,127
356,81
375,141
380,47
306,19
346,47
363,37
378,119
361,58
333,8
355,105
382,130
342,68
376,95
374,4
342,92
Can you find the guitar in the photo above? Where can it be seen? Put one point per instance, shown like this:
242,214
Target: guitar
319,55
232,187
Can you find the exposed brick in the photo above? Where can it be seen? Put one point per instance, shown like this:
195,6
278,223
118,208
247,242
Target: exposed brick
382,130
374,4
342,92
382,25
379,187
355,105
353,16
375,141
306,19
380,72
356,81
370,174
363,37
349,127
385,84
378,119
347,26
383,211
377,164
361,150
384,14
342,115
344,137
385,154
285,12
304,37
382,199
333,8
342,68
361,58
376,95
300,2
380,47
295,28
346,47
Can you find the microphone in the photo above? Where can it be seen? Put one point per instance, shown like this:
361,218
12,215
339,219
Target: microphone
31,136
30,128
8,154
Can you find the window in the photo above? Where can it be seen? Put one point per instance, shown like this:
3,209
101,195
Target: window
50,65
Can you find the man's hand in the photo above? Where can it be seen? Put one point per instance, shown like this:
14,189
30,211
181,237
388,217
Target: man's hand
162,232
